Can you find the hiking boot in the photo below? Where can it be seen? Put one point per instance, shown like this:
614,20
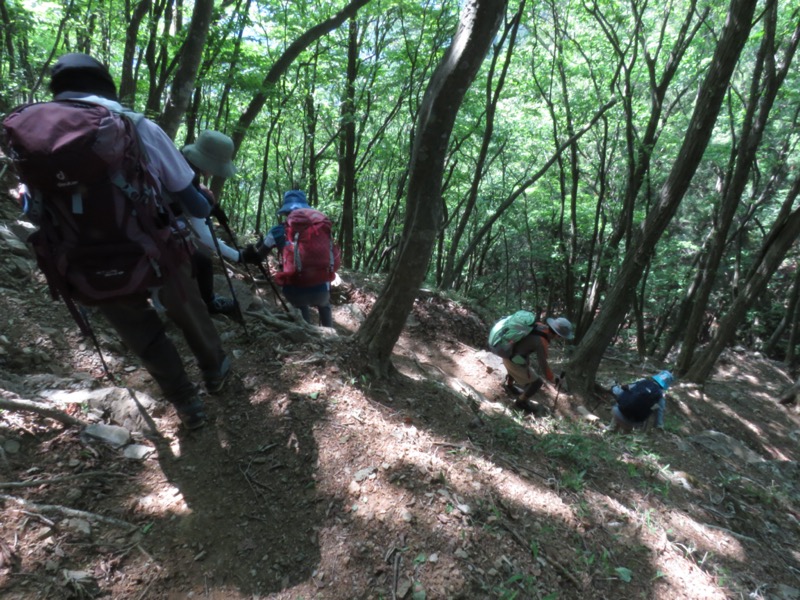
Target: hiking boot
216,381
221,305
192,413
510,388
525,406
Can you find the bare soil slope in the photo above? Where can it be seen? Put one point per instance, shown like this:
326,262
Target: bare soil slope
315,481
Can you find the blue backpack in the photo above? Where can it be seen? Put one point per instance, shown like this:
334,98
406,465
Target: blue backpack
637,399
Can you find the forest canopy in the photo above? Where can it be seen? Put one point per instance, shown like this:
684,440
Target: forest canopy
630,165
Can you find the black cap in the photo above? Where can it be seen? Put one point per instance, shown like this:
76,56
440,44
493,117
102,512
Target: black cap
77,72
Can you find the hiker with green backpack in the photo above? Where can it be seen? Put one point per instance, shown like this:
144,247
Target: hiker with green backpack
518,337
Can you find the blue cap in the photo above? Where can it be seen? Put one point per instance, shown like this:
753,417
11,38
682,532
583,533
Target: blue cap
293,199
664,379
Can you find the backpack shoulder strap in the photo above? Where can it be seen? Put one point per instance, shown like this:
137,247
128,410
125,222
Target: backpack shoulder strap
539,329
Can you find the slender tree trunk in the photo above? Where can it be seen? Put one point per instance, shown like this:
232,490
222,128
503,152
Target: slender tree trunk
449,275
183,83
586,358
312,188
480,20
794,333
348,160
783,234
788,316
127,82
765,83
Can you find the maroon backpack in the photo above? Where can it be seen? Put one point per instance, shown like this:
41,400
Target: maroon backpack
309,257
104,232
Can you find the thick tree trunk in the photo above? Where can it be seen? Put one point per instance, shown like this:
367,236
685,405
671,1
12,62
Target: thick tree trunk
587,357
480,20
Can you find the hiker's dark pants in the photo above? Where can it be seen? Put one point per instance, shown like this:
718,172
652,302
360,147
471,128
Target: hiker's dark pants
204,273
143,331
305,298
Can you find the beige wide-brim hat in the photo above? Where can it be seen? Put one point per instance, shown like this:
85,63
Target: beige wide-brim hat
212,153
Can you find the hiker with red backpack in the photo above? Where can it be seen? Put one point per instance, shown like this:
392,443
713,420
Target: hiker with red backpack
105,236
516,339
309,258
211,154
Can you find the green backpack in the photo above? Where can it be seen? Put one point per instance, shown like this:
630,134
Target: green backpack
509,330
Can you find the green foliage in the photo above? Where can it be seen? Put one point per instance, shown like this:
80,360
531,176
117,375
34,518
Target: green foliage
536,227
582,450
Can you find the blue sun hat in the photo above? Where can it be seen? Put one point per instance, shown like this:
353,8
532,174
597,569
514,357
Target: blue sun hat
293,199
664,379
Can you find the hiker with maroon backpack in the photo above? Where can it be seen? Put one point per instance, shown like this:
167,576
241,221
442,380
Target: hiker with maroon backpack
526,337
308,257
106,238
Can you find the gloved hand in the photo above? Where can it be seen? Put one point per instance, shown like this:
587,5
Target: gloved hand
519,360
249,254
276,237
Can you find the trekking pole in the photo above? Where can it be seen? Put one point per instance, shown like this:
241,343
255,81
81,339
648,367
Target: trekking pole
265,273
79,315
223,220
558,388
236,304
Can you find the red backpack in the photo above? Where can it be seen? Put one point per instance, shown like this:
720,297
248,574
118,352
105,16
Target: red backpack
309,257
104,232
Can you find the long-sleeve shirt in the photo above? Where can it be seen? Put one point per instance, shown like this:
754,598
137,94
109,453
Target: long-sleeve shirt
537,342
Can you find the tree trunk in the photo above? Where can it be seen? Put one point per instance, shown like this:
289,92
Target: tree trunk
788,316
348,161
183,83
587,357
127,82
449,275
794,333
783,234
765,84
479,22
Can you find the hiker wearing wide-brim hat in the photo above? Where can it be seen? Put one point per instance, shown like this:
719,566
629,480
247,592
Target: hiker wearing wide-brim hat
212,153
300,292
292,200
519,366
